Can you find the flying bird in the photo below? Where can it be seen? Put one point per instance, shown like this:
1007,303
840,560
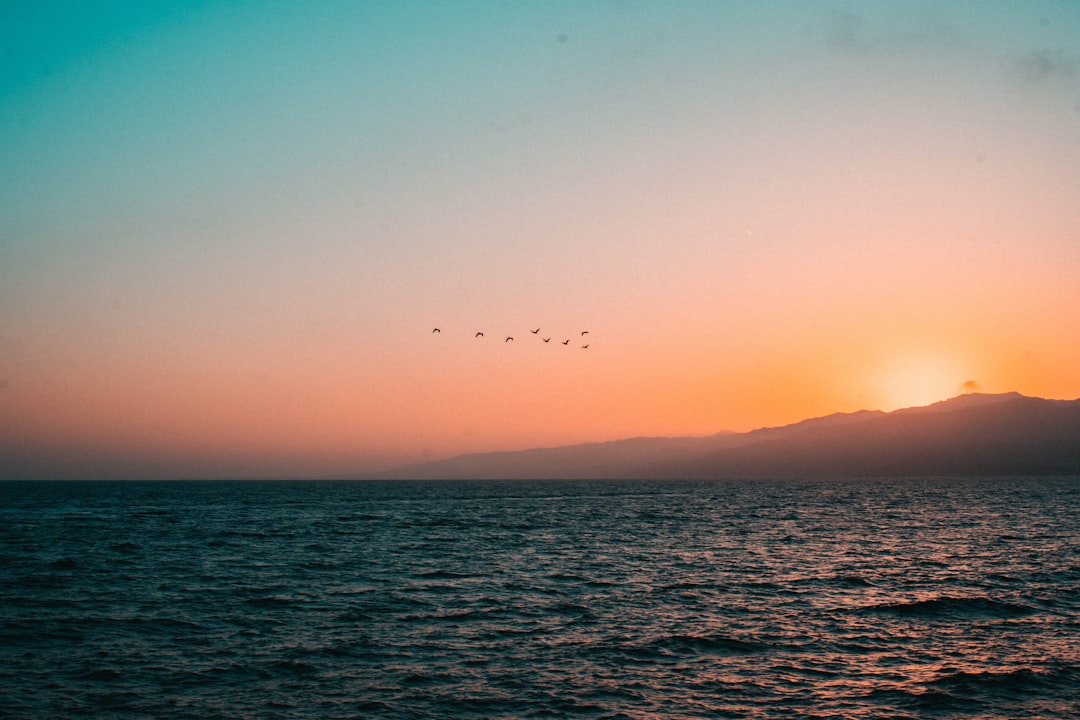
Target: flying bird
566,341
584,332
479,334
547,339
508,339
535,331
585,346
436,330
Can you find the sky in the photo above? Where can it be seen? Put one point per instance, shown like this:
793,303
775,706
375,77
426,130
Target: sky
228,229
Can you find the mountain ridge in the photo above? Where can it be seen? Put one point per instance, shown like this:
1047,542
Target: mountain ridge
973,434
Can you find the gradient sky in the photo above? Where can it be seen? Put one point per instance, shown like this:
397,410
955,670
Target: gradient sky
227,229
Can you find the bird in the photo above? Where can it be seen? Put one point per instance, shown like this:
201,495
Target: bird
566,342
436,330
547,339
535,331
479,334
584,332
585,346
508,339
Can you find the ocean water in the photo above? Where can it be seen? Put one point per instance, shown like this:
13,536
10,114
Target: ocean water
856,599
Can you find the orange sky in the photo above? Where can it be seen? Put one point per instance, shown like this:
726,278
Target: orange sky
229,260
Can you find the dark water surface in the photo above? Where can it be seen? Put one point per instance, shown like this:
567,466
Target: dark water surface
868,599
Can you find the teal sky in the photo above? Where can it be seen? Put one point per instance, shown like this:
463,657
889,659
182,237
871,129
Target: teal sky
227,228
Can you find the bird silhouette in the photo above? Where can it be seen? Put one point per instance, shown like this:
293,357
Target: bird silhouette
436,330
547,339
535,331
584,332
585,347
479,334
566,342
508,339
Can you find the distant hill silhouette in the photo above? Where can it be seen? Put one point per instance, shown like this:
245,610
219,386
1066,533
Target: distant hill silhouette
970,435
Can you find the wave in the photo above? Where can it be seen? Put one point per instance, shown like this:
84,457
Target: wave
623,607
1019,680
685,645
65,564
125,547
101,674
952,607
1051,680
443,575
854,581
723,644
924,701
282,601
295,667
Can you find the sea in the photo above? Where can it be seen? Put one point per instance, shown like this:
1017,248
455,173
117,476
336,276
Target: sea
869,598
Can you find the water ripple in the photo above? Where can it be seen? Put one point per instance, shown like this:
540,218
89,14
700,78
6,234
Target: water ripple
905,599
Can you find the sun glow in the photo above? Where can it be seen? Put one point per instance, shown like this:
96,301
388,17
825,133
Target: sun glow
919,379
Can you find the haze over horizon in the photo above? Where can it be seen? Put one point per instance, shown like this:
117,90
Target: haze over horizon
228,229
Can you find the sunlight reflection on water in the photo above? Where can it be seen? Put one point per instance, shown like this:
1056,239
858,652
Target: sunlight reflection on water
552,599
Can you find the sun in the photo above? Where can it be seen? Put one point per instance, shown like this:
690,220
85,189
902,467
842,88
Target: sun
918,379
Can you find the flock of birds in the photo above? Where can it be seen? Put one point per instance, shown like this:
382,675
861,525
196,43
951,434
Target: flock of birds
510,338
